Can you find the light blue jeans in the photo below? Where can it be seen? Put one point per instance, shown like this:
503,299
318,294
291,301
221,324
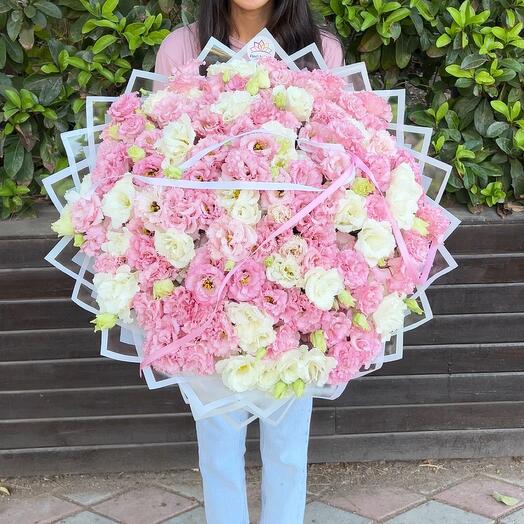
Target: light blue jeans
283,449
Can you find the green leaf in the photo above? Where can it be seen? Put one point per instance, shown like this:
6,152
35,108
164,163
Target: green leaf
14,24
14,158
48,8
14,50
370,41
496,129
108,8
397,16
50,90
13,97
104,42
517,177
2,53
505,499
515,110
473,61
443,40
504,144
25,173
27,38
500,107
483,117
456,71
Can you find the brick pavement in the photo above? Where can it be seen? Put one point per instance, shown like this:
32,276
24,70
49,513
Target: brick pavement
429,492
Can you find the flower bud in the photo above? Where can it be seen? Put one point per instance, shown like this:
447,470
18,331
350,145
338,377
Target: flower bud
362,186
412,305
268,261
280,390
360,320
113,133
229,265
252,86
163,288
345,298
104,321
298,387
173,172
420,226
318,340
136,153
261,353
78,240
64,225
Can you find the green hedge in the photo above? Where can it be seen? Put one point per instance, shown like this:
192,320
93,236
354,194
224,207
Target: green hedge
464,63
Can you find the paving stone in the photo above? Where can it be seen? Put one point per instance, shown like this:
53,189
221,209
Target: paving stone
37,510
476,495
86,517
88,497
437,513
375,503
187,489
514,518
195,516
148,504
320,513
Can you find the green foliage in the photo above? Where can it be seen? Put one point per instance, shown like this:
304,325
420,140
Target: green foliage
462,64
463,67
53,55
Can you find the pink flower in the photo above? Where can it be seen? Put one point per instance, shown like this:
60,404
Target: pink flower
272,299
247,281
366,343
106,263
86,212
354,267
148,166
94,237
204,282
230,239
131,127
348,363
287,337
336,326
124,106
418,246
368,297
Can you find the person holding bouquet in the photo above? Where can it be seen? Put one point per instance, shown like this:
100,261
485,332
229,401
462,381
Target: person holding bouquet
221,447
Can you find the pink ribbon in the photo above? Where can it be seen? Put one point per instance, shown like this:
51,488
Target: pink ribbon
343,180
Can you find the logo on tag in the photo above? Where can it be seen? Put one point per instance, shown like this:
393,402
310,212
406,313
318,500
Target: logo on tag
260,49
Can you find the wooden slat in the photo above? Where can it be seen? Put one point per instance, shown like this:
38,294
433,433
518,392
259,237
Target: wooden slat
429,417
90,431
474,298
49,344
335,448
457,358
367,391
487,238
25,252
43,282
478,269
468,329
53,313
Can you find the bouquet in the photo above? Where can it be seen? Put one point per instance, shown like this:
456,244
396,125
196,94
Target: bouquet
257,232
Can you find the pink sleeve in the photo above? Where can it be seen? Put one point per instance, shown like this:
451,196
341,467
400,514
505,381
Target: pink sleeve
332,51
177,49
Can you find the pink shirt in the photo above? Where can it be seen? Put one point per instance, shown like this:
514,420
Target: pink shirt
182,45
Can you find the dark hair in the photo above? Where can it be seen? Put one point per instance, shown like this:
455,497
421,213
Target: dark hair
291,24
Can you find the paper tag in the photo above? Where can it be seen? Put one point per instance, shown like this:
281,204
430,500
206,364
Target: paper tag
260,47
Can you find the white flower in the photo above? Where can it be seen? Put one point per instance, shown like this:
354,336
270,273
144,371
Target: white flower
115,292
351,212
64,225
402,195
289,366
84,191
296,247
148,104
285,137
389,316
178,247
239,373
118,201
232,104
375,241
322,286
233,67
242,204
177,139
285,271
267,375
316,366
117,242
253,327
299,102
279,213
